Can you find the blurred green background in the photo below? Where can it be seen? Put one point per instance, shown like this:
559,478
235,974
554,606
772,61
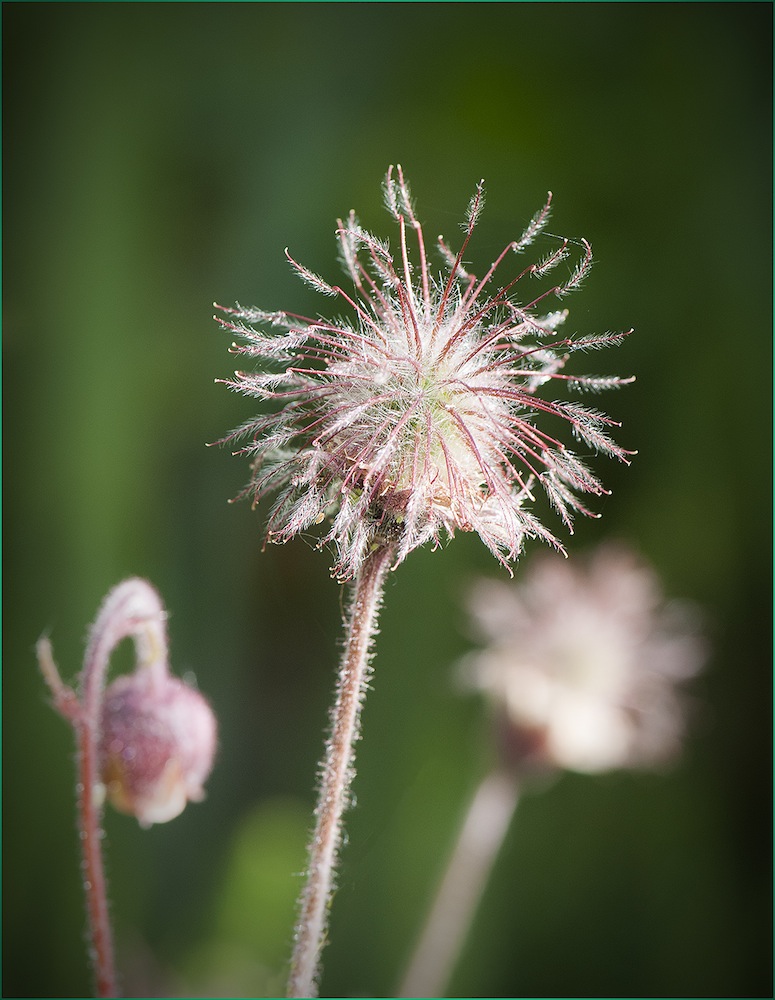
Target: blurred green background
160,156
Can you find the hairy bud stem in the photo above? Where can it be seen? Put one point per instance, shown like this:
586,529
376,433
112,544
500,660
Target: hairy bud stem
132,608
147,742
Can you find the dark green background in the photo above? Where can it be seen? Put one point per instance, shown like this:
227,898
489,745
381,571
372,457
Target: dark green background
160,156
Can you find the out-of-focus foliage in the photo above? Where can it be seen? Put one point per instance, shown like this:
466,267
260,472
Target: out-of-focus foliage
160,156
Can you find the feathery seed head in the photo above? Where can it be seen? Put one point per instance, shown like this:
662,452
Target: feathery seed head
418,416
583,663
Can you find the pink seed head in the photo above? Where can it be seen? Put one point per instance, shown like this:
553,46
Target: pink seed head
419,415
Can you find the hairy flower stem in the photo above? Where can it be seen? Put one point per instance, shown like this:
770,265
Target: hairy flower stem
94,883
453,910
89,826
337,773
131,609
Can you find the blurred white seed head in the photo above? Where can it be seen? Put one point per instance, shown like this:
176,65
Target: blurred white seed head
582,663
419,415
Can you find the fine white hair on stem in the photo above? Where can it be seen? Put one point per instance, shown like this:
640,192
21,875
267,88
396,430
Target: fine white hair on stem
336,775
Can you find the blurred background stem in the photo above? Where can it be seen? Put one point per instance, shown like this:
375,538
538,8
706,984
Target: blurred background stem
464,881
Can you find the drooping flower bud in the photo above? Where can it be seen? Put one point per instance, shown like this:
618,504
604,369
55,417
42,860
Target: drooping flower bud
157,744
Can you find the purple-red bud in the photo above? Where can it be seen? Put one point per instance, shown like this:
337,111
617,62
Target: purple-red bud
157,744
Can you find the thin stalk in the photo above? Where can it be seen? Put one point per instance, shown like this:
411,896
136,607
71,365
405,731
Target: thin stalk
337,773
461,889
90,796
94,883
133,608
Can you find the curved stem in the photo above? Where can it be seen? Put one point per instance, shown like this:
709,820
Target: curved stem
337,774
133,608
90,798
453,910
